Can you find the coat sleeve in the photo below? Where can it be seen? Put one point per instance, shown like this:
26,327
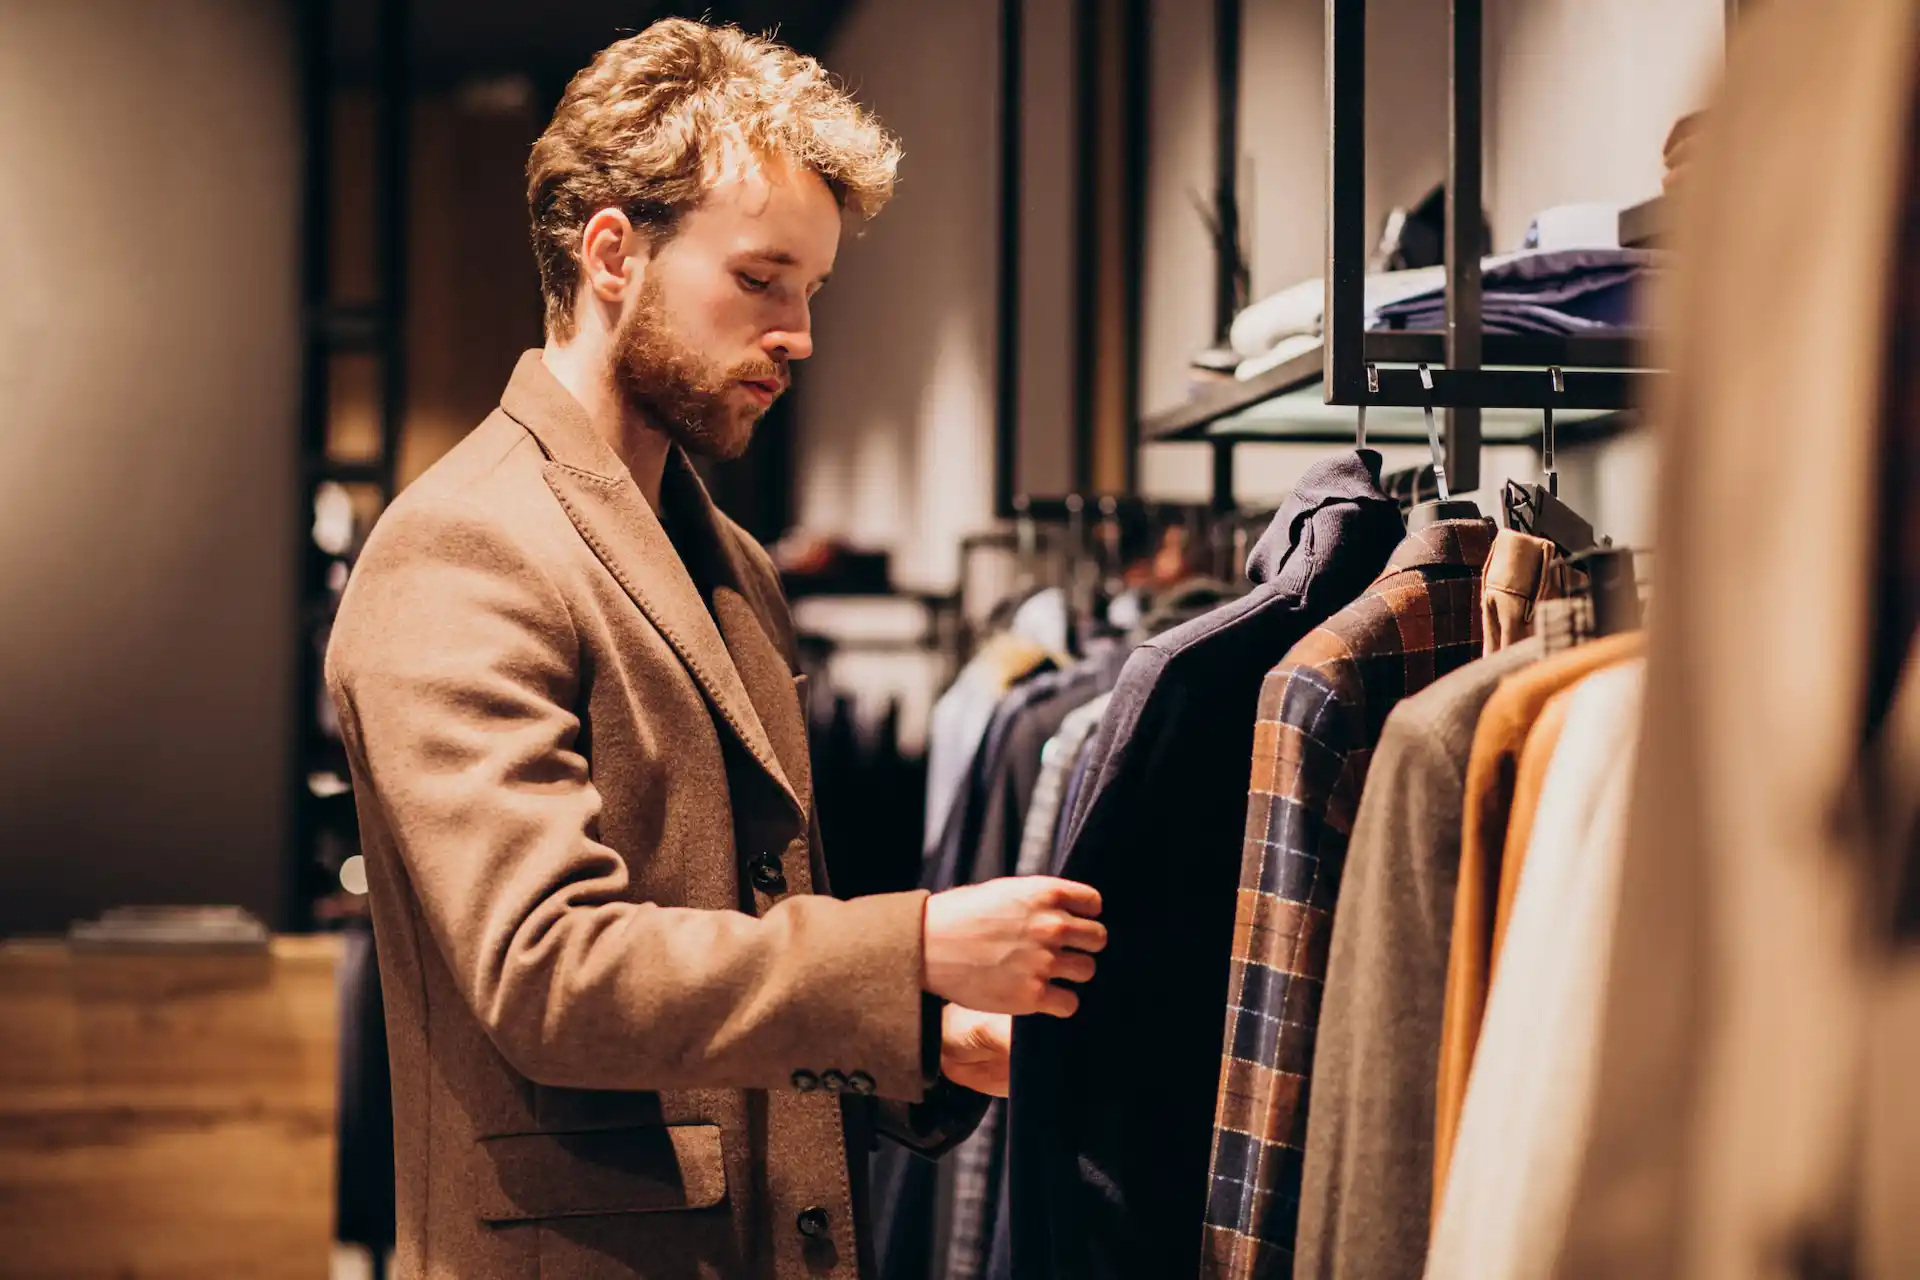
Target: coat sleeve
455,668
935,1125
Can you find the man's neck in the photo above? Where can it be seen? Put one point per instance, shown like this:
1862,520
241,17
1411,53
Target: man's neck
642,447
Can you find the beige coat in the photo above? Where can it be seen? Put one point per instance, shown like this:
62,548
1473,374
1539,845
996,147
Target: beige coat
1757,1112
606,1027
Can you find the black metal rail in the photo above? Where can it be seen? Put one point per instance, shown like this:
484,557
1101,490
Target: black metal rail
1190,420
1006,415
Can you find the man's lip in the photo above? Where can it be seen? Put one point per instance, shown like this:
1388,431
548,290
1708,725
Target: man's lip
771,386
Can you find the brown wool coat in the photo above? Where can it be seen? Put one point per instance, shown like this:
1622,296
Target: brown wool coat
566,762
1756,1112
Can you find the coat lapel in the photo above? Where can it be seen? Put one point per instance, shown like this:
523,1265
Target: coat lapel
613,518
743,613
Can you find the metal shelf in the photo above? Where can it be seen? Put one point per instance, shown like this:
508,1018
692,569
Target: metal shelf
1310,420
1595,366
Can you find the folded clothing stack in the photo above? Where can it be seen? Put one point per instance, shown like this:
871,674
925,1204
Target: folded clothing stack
1552,291
1569,291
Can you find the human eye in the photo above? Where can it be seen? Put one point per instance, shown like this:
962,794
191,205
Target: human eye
752,284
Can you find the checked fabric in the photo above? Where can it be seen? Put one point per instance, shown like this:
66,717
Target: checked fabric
1321,712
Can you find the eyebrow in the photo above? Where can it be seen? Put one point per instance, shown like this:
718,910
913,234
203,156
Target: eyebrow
781,258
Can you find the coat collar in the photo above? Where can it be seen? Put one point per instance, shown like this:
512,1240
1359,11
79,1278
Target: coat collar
1445,542
535,399
725,648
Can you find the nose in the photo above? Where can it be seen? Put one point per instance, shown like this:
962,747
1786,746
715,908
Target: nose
793,341
788,344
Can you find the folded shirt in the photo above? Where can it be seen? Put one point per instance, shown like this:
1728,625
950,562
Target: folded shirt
1297,311
1564,291
1530,291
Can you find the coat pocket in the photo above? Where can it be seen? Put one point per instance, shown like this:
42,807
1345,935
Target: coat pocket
525,1177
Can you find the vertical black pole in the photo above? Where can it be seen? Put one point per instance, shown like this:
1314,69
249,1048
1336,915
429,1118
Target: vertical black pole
392,133
1007,392
1086,234
1136,86
1226,150
1464,141
1347,201
1223,495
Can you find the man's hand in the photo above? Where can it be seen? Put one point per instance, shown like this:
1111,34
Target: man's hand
1000,945
975,1049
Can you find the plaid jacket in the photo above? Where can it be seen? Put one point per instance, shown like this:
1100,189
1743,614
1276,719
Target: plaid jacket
1321,712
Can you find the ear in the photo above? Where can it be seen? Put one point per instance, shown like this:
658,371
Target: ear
612,256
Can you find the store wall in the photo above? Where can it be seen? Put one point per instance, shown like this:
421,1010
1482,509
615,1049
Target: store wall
1581,95
1177,274
895,410
149,376
1048,242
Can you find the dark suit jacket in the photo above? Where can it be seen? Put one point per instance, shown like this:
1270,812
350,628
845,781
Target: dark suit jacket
1112,1111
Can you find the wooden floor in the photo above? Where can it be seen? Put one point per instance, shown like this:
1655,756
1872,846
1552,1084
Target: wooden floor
167,1117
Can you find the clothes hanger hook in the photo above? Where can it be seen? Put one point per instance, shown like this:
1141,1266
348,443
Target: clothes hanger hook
1373,389
1546,434
1433,439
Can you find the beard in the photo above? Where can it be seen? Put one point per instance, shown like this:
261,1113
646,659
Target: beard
679,391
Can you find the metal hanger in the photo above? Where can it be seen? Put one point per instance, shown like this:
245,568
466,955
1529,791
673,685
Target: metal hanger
1373,388
1446,507
1537,509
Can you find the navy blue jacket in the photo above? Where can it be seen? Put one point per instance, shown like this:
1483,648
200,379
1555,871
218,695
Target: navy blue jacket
1111,1115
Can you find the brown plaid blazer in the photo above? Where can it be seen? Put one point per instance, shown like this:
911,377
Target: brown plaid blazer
1321,712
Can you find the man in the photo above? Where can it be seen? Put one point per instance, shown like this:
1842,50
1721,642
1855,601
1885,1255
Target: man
630,1036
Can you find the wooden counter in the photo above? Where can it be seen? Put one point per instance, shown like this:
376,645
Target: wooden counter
167,1115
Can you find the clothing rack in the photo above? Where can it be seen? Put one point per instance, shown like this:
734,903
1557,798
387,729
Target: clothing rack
1062,524
1470,372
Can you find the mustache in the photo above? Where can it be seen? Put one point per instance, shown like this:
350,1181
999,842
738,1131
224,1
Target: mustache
773,371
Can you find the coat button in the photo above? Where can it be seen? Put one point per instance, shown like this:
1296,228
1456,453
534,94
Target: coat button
861,1083
805,1081
814,1223
833,1081
768,876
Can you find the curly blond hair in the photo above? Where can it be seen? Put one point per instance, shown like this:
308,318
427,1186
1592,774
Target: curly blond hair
655,119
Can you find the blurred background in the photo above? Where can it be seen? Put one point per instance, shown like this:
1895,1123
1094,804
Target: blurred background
263,261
